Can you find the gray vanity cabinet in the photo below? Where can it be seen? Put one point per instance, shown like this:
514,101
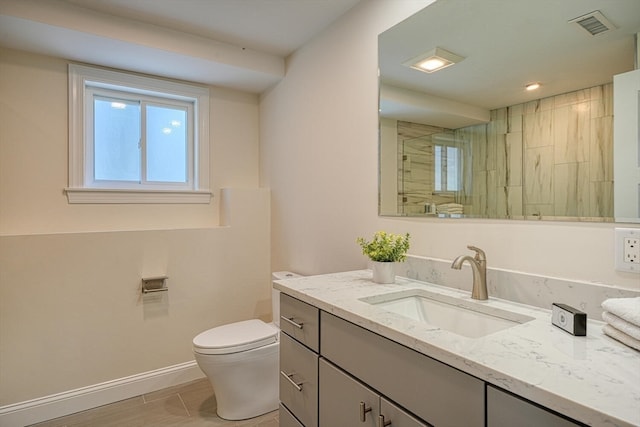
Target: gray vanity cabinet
298,363
435,392
335,373
287,419
300,321
507,410
396,416
345,401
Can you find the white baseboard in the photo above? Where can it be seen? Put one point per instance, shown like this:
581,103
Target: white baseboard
72,401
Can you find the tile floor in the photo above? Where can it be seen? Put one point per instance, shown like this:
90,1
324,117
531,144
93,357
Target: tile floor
192,404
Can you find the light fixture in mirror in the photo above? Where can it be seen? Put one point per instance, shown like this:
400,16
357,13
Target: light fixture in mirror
435,60
543,154
532,86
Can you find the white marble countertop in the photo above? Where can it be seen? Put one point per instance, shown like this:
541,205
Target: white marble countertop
593,379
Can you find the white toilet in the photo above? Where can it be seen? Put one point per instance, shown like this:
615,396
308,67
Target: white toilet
241,361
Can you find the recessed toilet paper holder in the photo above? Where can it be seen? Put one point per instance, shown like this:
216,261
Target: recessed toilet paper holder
154,284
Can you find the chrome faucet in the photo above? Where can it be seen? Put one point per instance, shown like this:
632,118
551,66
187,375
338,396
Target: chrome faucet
479,268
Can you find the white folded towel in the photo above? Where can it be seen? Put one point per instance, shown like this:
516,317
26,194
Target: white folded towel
625,308
621,325
450,208
621,336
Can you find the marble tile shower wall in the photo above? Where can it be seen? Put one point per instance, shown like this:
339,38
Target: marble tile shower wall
416,168
548,157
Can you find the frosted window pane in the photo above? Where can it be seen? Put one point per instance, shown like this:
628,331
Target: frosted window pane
166,144
452,169
438,167
116,140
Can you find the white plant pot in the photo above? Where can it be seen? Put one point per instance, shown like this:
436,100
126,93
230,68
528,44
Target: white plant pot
383,272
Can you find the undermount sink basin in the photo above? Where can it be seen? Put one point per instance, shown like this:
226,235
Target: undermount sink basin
461,316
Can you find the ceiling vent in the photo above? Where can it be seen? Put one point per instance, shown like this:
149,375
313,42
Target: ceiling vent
595,23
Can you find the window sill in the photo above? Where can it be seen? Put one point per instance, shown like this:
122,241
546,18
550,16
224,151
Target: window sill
110,196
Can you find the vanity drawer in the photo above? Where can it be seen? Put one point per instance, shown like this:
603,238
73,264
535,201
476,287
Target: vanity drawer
299,380
287,419
437,393
300,321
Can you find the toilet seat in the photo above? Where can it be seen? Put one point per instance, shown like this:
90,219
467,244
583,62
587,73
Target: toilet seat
235,337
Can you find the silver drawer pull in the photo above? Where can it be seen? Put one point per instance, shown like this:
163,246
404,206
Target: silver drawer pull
363,412
298,386
290,320
382,422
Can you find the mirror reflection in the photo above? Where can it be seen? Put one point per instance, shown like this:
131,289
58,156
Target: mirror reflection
470,140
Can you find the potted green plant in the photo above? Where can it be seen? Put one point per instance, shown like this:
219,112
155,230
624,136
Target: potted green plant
384,251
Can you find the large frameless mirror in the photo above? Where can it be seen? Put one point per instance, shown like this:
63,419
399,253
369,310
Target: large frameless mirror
469,140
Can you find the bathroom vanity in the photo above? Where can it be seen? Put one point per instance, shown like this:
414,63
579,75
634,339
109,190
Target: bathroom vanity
352,353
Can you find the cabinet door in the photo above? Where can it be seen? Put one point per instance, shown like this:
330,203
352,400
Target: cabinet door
344,402
397,416
287,419
435,392
506,410
299,380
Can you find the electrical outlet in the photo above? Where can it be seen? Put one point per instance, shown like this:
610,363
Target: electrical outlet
631,250
628,249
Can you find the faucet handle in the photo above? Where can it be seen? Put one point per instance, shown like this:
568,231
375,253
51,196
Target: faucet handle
480,255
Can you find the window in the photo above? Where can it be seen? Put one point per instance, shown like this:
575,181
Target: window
447,168
135,139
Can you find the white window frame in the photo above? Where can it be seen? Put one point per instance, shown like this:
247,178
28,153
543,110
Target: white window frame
83,82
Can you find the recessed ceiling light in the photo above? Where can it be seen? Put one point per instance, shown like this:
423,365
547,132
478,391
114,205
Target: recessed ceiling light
532,86
434,60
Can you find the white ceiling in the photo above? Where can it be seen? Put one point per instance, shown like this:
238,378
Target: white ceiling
277,27
243,44
240,44
506,44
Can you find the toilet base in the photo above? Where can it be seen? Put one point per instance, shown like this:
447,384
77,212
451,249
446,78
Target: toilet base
245,384
248,418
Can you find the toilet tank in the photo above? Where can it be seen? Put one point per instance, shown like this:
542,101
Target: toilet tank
275,294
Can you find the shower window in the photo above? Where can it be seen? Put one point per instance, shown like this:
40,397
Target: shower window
447,162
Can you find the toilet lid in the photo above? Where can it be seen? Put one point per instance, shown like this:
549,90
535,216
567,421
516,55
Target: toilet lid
235,337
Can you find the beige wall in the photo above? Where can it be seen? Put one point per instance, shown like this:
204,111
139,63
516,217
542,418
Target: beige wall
319,133
34,162
71,312
318,142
